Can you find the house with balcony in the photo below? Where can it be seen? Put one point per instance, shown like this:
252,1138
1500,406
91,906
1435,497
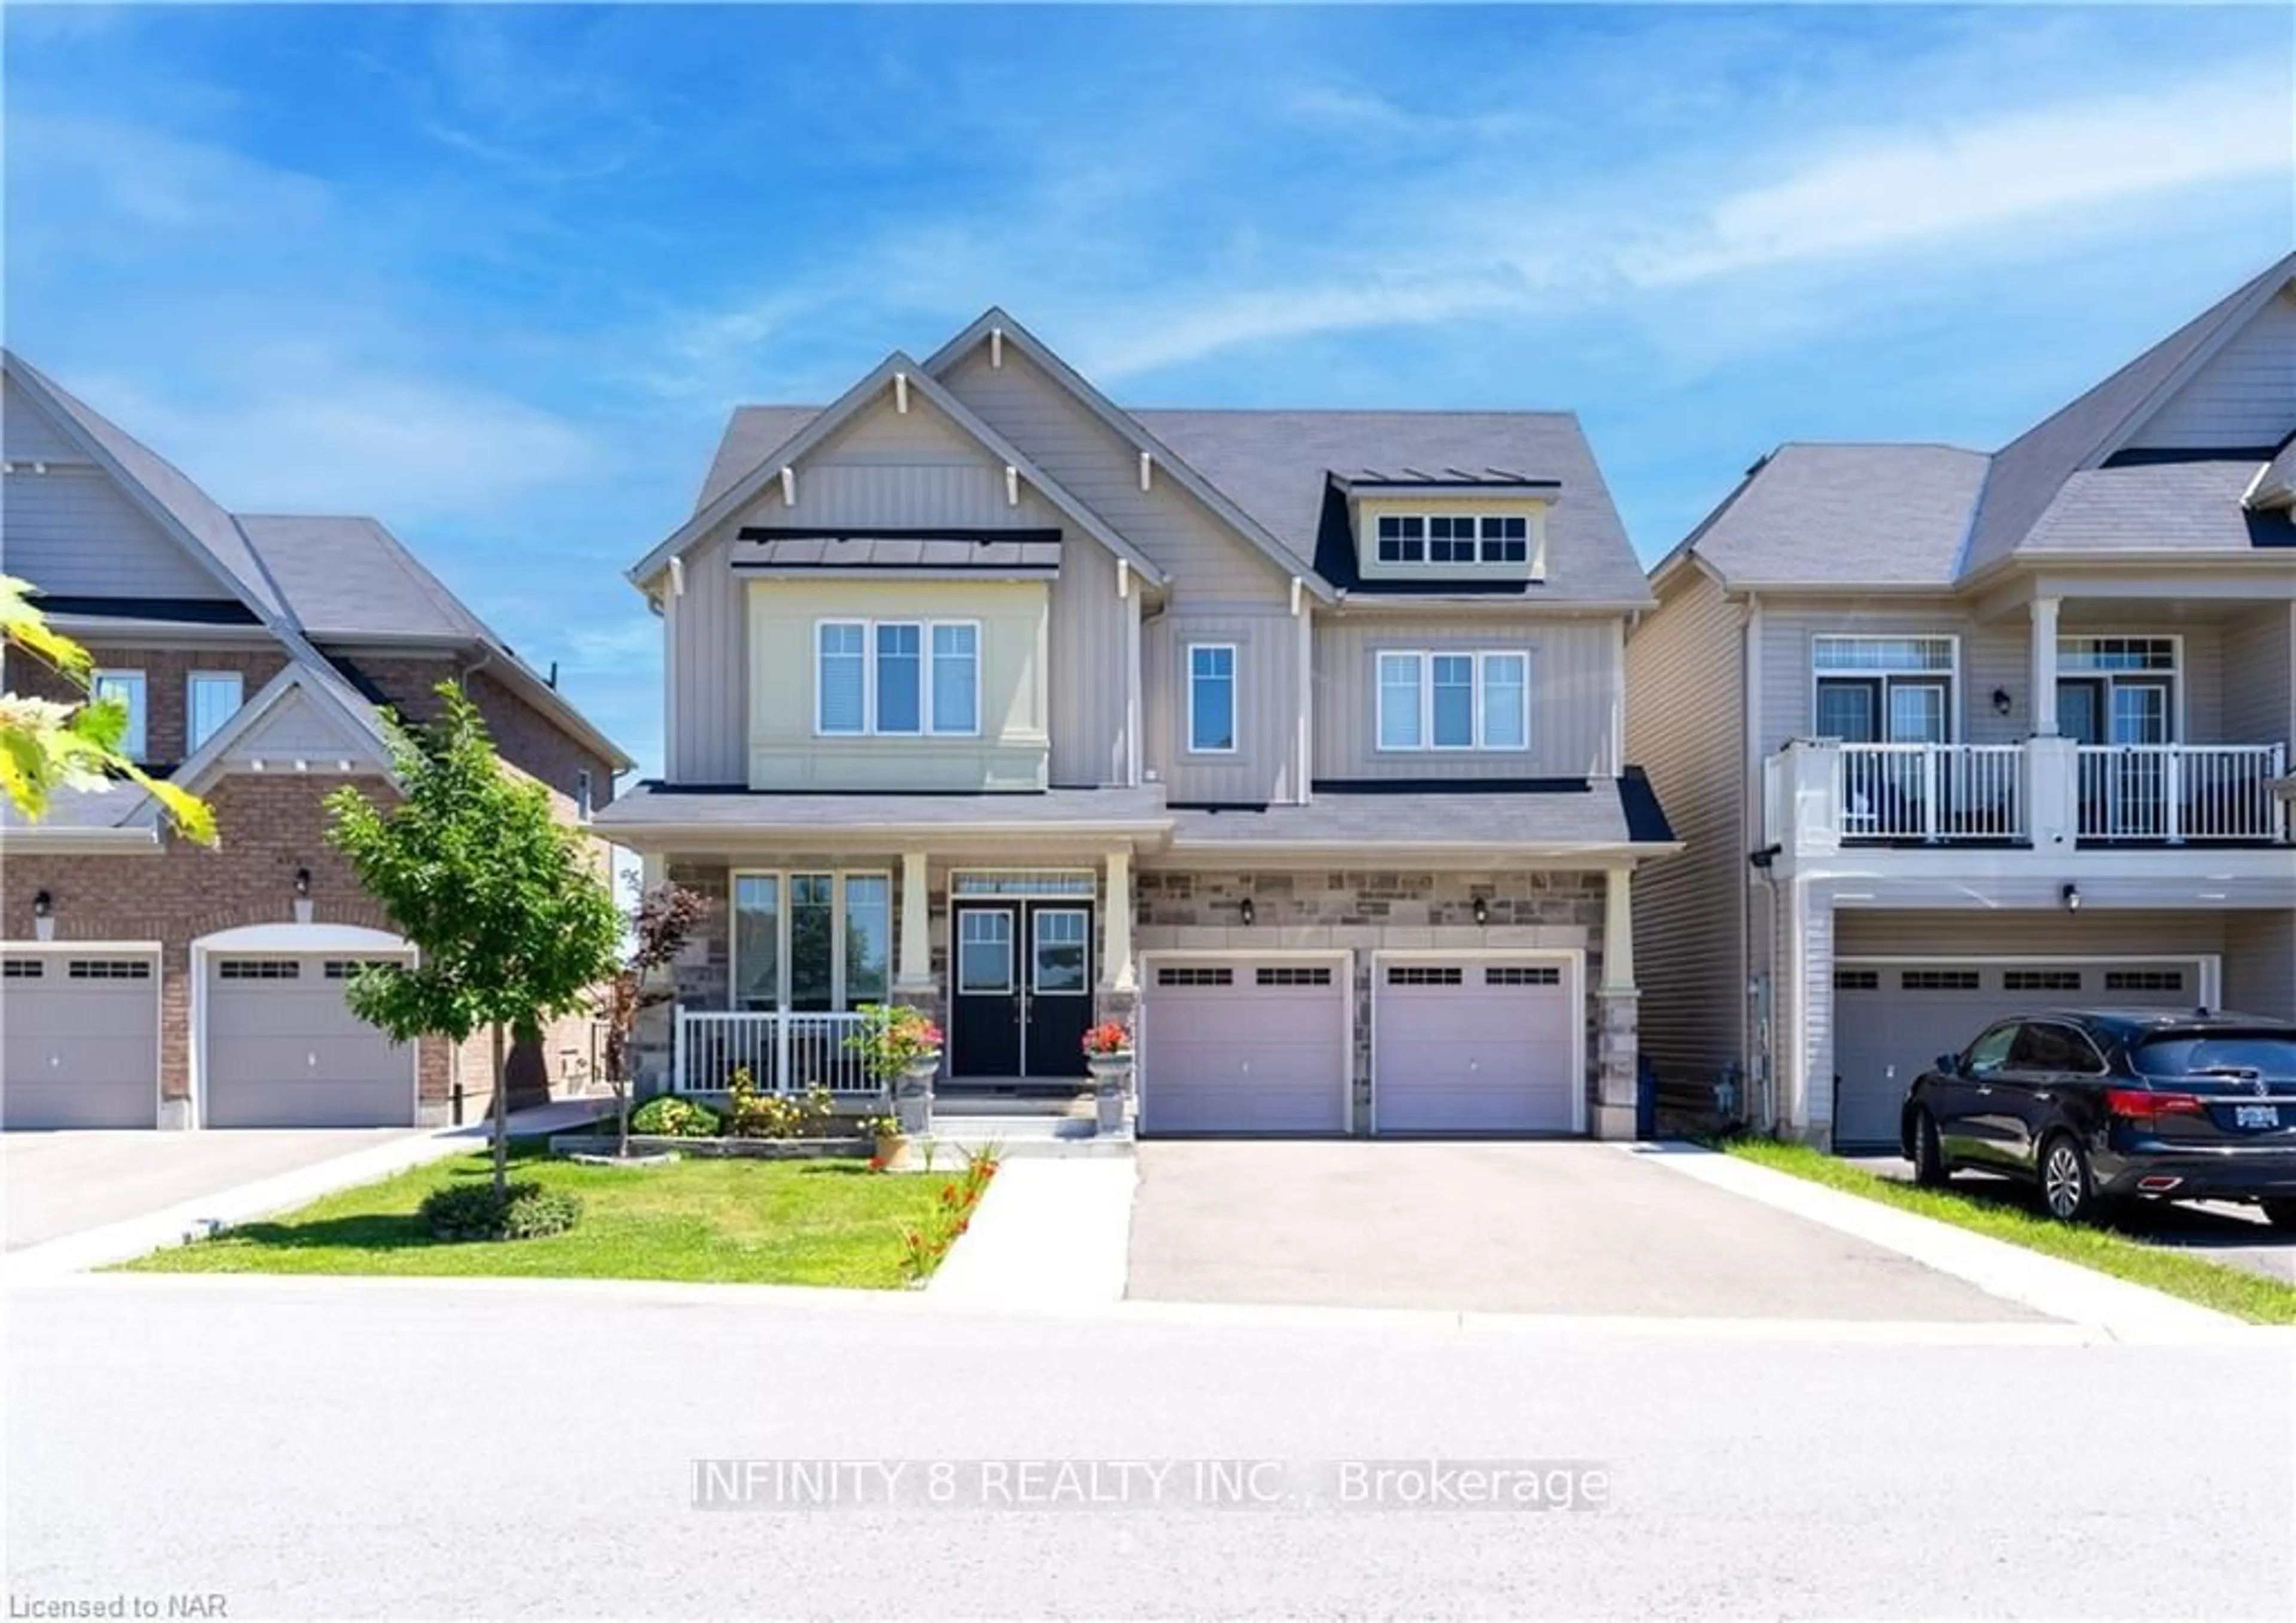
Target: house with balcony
1951,735
1294,737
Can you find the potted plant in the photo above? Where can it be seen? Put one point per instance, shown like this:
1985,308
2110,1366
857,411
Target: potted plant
1107,1056
900,1049
890,1145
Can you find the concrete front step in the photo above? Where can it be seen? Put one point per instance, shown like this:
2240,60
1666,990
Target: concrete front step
1031,1135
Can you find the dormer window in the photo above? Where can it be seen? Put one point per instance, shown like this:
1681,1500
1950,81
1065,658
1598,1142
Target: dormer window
1483,538
1453,538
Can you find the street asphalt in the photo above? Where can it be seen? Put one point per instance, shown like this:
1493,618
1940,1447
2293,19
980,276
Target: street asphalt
431,1449
1565,1226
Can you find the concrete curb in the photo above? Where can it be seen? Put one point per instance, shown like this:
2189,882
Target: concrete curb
133,1237
2113,1307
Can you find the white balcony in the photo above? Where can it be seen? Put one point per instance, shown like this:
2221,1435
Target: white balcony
1933,792
2177,793
783,1053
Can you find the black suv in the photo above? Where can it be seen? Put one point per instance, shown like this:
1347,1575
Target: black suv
2098,1105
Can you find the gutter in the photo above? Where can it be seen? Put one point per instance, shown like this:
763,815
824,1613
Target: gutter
48,840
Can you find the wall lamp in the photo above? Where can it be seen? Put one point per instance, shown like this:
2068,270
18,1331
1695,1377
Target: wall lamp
1244,909
302,883
1762,859
2071,897
2000,702
43,906
1482,911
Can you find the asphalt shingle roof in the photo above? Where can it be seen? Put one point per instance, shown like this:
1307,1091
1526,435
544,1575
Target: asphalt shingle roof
351,576
2156,507
1388,819
1852,514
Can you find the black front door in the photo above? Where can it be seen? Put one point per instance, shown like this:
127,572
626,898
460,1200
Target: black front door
1021,991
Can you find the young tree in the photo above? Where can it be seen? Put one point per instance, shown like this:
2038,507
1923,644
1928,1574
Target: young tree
664,919
506,907
48,744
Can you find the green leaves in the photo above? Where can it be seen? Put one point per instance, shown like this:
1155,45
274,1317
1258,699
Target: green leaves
512,920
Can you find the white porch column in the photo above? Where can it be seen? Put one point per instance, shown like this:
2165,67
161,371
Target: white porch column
2045,667
1116,925
1619,933
915,972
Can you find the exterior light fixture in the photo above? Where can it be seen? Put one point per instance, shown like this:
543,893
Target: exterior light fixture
2071,897
43,906
302,883
1482,911
2000,702
1244,908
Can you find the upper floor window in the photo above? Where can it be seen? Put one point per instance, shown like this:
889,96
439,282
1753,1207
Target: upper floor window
211,698
1883,689
1453,538
896,677
1439,700
127,687
1211,698
583,792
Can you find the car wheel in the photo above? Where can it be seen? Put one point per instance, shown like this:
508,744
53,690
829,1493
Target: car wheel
2065,1188
2280,1214
1929,1170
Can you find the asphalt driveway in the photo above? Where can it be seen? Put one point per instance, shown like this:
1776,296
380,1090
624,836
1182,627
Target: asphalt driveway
1563,1227
63,1184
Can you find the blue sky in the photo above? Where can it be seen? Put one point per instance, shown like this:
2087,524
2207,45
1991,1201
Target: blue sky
497,275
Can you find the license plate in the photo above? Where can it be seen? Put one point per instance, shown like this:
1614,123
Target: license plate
2256,1115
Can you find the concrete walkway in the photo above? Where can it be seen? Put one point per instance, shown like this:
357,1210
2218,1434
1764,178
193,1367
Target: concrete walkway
258,1189
1050,1232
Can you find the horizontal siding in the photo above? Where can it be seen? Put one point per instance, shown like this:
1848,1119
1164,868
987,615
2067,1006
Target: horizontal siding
1573,693
1685,679
1209,562
2259,974
2039,932
2244,397
1264,768
70,530
2259,680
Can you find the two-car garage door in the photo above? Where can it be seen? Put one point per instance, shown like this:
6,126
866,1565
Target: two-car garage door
1892,1019
1471,1043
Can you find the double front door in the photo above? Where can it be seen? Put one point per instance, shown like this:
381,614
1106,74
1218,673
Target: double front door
1021,997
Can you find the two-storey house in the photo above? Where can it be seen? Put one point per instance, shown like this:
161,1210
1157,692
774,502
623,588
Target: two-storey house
1953,736
147,981
1294,736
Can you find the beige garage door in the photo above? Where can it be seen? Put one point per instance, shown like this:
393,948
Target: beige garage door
1244,1046
284,1049
1474,1046
82,1040
1892,1021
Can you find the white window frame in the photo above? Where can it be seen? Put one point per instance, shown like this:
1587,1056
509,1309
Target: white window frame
1478,660
1235,680
2111,678
1885,674
192,680
925,695
1531,565
135,742
784,916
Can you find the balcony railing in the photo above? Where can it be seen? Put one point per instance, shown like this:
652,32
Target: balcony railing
1933,792
2178,792
783,1053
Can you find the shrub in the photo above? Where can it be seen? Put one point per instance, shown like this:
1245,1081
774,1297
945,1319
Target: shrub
668,1116
751,1114
474,1211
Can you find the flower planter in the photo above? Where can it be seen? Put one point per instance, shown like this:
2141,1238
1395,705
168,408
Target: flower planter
912,1094
1112,1079
893,1151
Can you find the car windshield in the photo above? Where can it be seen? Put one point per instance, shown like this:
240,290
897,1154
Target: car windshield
2188,1054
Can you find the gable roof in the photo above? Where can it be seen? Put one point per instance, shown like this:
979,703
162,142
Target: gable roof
1792,519
2030,470
1278,466
1130,427
732,497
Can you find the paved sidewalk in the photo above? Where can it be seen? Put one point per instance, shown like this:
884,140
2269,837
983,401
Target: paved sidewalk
1050,1232
381,1155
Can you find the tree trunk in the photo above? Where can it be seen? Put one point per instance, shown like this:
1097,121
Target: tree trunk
502,1113
622,1115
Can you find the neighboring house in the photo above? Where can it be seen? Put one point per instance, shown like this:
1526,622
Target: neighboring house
1295,735
1951,735
149,980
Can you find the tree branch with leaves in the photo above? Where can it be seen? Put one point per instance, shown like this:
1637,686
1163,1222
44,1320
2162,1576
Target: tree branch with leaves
661,924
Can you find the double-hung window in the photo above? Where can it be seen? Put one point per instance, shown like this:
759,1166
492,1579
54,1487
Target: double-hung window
892,678
211,698
1438,698
1211,698
127,687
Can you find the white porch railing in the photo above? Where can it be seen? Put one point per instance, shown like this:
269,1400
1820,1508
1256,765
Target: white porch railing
783,1053
1933,792
2176,792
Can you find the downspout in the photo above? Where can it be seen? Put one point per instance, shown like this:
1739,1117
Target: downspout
1758,1048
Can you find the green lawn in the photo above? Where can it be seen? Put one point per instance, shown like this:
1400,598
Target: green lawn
2232,1290
731,1221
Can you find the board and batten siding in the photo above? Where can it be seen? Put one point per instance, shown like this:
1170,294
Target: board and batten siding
2259,970
1008,753
71,531
1686,726
1574,683
1264,767
2259,677
1208,563
899,471
2245,398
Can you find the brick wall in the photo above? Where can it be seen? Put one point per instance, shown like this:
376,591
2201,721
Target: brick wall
523,736
166,693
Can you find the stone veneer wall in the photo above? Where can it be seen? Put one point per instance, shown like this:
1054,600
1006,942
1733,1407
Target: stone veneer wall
1372,909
